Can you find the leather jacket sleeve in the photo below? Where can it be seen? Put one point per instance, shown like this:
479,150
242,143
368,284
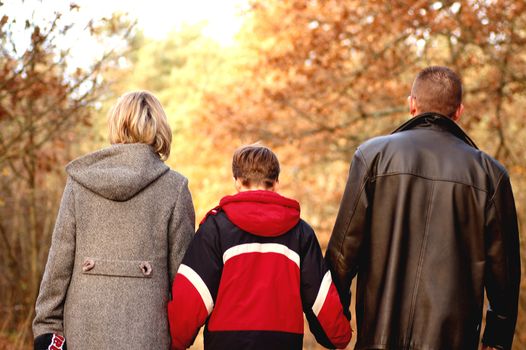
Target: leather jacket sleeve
502,272
349,230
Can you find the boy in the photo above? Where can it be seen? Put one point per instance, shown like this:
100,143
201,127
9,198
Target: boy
253,268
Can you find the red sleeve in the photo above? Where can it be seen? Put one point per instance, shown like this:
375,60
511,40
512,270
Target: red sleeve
195,286
321,302
190,307
328,310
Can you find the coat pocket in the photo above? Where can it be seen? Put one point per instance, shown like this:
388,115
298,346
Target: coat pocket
119,268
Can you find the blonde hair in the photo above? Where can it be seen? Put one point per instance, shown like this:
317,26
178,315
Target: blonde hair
138,117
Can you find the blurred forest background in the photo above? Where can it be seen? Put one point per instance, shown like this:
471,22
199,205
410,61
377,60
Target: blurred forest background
311,79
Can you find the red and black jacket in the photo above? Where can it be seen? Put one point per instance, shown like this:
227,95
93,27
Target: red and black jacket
252,270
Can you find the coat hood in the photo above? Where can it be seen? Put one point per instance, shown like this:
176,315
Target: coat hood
118,172
262,213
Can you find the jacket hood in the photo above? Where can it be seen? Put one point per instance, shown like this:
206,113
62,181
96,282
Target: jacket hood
118,172
436,120
262,213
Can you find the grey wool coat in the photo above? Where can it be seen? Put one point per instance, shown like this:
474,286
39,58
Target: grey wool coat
123,226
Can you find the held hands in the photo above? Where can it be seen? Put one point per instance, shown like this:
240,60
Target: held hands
50,341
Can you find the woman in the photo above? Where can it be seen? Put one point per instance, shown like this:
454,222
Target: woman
124,223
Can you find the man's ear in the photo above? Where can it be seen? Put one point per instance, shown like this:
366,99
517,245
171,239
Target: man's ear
412,105
458,113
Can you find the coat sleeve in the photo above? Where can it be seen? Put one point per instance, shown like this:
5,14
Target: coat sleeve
195,285
348,233
320,299
181,230
49,307
503,271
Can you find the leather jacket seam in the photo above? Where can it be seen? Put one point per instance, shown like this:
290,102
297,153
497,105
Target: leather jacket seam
429,178
497,187
364,161
421,259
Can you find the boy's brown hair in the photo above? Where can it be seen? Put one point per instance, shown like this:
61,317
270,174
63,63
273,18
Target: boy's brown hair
255,165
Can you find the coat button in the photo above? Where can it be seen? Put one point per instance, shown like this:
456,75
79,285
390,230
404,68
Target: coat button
88,264
146,268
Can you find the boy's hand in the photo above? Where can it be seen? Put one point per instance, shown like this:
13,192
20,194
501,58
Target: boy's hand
485,347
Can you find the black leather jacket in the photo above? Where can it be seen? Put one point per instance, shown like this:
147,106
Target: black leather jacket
427,221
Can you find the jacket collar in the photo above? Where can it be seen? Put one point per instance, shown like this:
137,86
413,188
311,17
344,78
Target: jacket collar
436,121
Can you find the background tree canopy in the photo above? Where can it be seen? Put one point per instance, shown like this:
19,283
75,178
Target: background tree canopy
311,79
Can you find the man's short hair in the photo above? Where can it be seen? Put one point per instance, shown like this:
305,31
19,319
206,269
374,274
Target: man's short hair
437,89
255,165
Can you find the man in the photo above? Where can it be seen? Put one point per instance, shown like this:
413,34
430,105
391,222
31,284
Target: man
427,222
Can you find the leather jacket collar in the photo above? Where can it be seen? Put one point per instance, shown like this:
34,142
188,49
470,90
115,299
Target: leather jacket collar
436,121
